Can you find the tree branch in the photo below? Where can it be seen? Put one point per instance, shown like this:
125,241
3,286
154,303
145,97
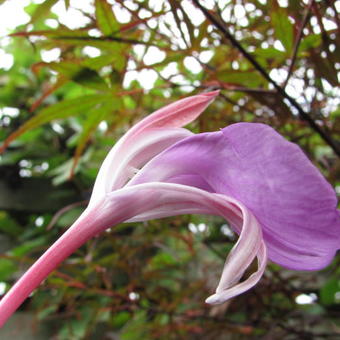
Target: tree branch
303,115
116,39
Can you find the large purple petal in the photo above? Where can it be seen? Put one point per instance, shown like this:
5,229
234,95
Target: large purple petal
272,177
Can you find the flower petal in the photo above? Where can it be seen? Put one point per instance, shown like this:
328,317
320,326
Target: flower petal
167,199
172,116
294,204
132,203
177,114
224,295
144,148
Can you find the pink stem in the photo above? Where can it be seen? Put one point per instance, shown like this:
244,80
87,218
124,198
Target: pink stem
86,226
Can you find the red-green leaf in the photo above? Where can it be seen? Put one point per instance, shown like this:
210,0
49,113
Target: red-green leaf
42,9
91,124
61,110
106,20
283,29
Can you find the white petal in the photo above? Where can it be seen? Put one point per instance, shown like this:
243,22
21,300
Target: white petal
114,171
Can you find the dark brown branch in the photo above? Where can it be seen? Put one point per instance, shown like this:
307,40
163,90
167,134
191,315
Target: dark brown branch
245,89
303,115
298,41
178,21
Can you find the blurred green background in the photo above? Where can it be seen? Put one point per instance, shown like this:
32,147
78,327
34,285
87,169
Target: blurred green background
74,76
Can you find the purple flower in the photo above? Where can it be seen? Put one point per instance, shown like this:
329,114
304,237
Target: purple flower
273,197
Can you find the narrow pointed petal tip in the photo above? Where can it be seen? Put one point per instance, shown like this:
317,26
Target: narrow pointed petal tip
174,115
215,299
211,94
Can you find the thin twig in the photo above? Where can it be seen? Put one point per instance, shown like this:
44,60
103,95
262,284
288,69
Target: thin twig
62,211
245,89
178,20
325,38
303,115
235,103
298,41
116,39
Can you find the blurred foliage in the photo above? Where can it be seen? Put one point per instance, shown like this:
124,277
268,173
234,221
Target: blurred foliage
77,85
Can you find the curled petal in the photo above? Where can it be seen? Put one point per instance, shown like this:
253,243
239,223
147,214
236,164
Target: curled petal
187,200
223,295
272,177
136,139
167,199
244,251
173,199
137,203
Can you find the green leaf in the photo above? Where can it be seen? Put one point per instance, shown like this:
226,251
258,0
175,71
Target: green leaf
82,75
69,217
136,328
64,36
62,172
120,319
162,260
7,268
64,109
106,20
310,41
328,291
98,62
8,225
61,110
28,246
66,68
269,52
102,44
116,59
283,28
90,78
43,313
244,78
42,9
91,124
76,328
